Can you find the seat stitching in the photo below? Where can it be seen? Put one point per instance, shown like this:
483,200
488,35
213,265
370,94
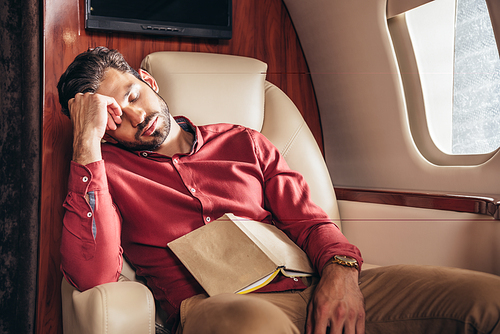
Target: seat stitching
105,300
148,298
290,142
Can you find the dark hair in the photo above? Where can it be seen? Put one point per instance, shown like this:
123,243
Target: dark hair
85,73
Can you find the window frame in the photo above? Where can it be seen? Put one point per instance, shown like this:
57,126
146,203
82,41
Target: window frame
412,88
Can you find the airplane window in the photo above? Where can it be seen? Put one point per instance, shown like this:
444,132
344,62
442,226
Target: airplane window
459,68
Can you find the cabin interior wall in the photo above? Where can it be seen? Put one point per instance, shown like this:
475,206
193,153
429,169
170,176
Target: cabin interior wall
362,104
262,29
389,235
368,143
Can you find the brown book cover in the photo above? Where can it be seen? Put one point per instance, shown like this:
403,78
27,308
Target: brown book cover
238,255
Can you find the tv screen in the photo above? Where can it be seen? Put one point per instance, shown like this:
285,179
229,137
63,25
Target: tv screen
195,18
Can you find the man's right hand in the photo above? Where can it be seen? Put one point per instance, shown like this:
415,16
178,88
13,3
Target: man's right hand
91,115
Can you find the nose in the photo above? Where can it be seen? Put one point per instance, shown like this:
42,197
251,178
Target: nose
135,115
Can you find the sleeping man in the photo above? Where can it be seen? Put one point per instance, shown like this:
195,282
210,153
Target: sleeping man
158,177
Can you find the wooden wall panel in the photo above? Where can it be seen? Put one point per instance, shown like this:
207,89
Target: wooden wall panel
262,29
434,201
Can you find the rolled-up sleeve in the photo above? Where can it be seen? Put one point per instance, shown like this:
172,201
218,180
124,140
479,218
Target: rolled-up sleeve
287,196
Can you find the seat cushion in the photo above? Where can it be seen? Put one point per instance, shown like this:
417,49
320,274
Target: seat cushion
210,88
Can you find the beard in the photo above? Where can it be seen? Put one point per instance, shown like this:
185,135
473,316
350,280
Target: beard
157,137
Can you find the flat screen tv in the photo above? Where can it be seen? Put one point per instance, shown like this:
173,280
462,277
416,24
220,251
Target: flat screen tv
195,18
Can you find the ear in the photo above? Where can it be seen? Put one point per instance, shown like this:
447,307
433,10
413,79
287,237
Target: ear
149,80
109,139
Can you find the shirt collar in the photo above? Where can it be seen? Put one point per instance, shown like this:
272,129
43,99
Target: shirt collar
188,126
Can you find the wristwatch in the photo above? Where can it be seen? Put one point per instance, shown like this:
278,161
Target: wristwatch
345,261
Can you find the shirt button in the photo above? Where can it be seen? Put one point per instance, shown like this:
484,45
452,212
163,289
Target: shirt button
85,179
208,219
295,279
89,214
193,190
144,154
176,161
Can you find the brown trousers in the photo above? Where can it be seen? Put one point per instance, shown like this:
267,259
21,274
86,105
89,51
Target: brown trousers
398,299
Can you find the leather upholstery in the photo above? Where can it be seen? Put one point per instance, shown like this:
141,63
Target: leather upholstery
206,88
112,308
210,88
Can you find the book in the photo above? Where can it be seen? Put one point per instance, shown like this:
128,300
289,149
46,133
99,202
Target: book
238,255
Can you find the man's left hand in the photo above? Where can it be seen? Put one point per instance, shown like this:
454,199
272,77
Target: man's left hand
337,303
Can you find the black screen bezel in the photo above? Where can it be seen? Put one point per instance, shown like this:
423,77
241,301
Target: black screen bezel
166,28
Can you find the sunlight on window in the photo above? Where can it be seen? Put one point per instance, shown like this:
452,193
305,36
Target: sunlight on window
459,68
476,92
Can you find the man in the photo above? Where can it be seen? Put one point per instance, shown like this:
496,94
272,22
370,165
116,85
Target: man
158,178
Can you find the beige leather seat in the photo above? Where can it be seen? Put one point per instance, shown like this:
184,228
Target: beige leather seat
207,88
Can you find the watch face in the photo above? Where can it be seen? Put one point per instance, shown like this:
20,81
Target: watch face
346,259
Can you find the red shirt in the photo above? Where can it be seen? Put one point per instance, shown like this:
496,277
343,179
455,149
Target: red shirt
142,200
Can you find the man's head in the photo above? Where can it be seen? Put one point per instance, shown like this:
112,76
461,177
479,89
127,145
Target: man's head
87,71
145,120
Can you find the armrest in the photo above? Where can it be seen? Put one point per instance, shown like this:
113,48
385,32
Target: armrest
112,308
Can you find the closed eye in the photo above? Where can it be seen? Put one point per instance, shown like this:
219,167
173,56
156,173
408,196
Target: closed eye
133,97
132,93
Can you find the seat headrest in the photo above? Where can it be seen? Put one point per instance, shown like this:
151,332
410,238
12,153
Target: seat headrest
210,88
